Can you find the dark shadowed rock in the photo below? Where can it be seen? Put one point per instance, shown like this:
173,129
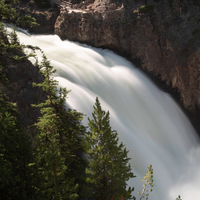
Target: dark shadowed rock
45,17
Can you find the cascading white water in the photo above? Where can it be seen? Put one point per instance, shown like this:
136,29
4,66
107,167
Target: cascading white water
148,120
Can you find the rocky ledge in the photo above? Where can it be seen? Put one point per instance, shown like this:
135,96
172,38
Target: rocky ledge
164,35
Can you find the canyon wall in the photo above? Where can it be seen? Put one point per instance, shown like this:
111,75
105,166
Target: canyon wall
164,35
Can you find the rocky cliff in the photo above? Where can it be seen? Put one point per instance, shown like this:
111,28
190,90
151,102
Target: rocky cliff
164,35
45,17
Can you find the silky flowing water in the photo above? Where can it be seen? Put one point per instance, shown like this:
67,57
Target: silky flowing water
149,122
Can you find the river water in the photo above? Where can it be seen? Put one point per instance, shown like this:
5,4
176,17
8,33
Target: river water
148,121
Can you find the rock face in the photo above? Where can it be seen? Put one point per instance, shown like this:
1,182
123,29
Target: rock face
46,21
164,35
45,17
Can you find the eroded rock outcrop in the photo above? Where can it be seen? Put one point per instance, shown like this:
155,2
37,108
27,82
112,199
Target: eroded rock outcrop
163,34
45,17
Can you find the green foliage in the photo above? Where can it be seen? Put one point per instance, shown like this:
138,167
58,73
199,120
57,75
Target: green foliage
148,9
14,39
108,169
10,48
18,173
148,182
19,178
9,14
27,21
59,141
58,144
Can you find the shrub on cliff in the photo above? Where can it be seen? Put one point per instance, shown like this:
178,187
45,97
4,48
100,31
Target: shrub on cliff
147,9
8,14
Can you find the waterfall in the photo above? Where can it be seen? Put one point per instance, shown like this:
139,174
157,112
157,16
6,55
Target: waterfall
149,122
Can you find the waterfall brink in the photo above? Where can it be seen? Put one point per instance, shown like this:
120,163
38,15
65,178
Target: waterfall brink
148,121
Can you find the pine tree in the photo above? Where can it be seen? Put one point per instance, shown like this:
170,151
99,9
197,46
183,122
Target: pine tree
59,141
19,178
18,172
148,182
108,169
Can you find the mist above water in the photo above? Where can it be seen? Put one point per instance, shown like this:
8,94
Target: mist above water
148,121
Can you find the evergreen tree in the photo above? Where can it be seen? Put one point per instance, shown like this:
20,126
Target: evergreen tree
19,178
59,141
148,182
108,169
18,173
